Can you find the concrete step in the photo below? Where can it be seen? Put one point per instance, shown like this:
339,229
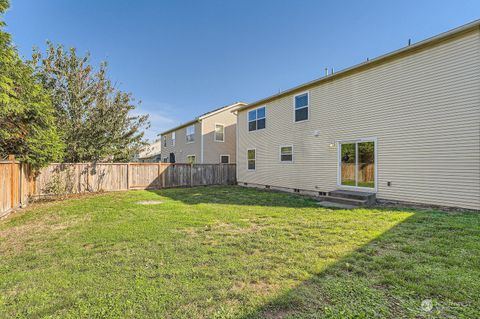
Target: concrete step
348,201
368,198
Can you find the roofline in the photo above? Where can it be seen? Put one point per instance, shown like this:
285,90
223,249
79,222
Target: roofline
380,59
236,105
201,117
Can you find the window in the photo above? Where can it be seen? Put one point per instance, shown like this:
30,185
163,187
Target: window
173,138
301,107
224,159
165,159
219,133
286,154
190,136
251,158
164,141
191,159
256,119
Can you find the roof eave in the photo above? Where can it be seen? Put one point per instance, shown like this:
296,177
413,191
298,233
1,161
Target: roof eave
380,59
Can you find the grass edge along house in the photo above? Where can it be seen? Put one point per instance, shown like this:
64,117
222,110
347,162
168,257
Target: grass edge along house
404,126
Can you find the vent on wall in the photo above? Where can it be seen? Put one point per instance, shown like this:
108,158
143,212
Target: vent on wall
296,190
267,186
245,184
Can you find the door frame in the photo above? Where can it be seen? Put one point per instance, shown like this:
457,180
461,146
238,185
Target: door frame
339,164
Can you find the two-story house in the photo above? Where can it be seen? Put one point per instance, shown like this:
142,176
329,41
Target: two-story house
208,139
404,126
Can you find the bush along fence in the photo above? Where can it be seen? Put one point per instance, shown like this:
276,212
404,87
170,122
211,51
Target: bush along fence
63,179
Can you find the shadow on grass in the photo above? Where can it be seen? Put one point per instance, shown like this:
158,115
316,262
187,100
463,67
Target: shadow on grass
431,257
235,195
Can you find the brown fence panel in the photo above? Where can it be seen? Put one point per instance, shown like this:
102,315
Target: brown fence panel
6,187
94,177
144,175
108,177
13,185
177,175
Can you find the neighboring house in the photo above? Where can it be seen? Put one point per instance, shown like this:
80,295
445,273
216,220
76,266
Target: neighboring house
151,153
208,139
405,125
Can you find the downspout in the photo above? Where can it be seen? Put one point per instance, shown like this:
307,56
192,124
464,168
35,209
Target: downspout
201,141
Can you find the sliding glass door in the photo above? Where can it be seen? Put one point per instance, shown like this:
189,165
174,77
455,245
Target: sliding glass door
357,164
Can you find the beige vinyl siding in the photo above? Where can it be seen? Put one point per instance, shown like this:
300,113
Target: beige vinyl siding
423,108
212,149
182,149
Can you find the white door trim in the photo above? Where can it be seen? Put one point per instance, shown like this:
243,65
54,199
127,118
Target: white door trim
339,164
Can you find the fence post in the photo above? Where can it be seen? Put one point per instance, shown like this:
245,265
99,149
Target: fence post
11,158
191,174
20,199
128,176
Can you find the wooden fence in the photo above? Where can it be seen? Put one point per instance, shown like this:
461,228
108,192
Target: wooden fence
366,171
17,182
14,185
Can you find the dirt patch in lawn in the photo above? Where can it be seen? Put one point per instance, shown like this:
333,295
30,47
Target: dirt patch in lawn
150,202
259,287
221,228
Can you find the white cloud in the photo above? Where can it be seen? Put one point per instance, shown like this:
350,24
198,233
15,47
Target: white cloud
160,115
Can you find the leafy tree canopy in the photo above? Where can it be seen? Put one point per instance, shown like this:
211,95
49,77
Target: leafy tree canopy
95,117
27,123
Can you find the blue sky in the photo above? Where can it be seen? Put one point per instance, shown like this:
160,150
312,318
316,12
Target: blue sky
183,58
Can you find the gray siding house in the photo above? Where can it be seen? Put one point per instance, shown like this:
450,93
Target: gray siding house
207,139
405,126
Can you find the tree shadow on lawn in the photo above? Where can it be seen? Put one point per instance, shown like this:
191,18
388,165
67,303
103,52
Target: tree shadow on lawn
235,195
430,257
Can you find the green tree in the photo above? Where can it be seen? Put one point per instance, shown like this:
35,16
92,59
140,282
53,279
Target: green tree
27,123
95,117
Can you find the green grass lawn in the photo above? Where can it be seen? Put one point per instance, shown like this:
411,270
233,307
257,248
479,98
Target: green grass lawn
231,252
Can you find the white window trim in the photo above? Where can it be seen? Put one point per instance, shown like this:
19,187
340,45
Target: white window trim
248,121
308,106
174,136
252,149
228,155
165,160
215,133
190,155
280,154
186,134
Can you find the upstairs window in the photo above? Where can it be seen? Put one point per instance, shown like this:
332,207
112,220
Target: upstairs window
251,159
190,134
173,139
164,141
219,133
301,107
286,154
256,119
